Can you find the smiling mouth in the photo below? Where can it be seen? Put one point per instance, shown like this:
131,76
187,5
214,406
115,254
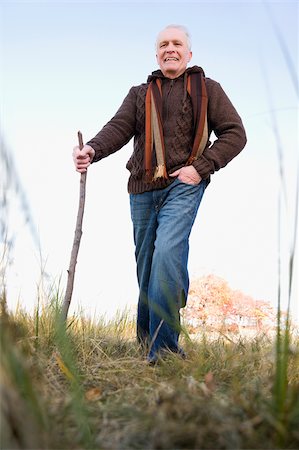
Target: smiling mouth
171,59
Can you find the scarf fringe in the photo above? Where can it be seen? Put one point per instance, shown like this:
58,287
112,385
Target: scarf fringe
160,172
148,176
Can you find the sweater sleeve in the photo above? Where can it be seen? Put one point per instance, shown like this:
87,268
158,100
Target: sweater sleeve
118,131
227,125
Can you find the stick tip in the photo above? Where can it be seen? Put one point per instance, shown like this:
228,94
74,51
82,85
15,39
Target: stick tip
80,139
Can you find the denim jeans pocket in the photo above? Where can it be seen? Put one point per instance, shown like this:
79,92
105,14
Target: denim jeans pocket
188,184
203,182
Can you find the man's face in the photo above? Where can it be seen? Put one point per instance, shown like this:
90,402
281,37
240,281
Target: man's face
173,53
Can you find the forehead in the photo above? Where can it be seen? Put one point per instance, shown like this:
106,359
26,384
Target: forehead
172,34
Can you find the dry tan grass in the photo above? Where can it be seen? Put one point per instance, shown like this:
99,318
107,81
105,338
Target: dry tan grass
94,390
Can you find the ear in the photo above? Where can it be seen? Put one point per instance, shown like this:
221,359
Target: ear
190,56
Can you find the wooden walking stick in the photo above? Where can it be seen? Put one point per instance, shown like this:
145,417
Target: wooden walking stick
76,243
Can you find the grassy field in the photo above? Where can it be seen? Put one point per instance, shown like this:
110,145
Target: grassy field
89,387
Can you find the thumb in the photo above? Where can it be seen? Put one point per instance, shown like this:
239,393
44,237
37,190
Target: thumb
85,150
174,174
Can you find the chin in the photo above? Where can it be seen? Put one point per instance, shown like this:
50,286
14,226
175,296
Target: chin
171,69
171,73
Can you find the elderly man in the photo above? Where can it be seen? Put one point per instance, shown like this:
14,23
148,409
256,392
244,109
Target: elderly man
171,117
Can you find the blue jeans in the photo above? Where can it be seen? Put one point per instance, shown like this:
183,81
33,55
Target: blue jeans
162,221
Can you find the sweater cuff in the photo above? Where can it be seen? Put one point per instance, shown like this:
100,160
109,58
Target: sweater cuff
95,147
204,167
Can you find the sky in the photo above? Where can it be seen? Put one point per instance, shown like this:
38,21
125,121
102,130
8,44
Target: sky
66,66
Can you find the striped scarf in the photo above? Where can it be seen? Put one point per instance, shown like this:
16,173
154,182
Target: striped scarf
154,140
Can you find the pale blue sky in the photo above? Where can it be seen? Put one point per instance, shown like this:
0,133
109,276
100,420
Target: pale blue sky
68,65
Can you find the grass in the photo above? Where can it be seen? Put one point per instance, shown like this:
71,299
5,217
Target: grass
88,386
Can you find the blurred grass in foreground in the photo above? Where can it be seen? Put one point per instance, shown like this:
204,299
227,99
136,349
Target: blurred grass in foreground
88,386
285,397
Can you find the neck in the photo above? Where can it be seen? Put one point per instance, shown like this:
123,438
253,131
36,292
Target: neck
172,76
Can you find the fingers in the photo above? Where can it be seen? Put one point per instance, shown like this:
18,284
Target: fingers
83,158
82,163
188,175
175,174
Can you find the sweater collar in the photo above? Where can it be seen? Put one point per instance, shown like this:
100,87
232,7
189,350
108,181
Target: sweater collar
158,73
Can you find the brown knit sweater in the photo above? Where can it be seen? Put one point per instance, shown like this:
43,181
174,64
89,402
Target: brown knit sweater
129,121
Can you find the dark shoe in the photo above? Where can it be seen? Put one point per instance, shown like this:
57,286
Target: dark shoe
182,353
152,361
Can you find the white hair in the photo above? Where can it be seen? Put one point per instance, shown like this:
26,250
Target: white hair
178,27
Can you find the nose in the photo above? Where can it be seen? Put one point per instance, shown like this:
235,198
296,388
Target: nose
170,47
